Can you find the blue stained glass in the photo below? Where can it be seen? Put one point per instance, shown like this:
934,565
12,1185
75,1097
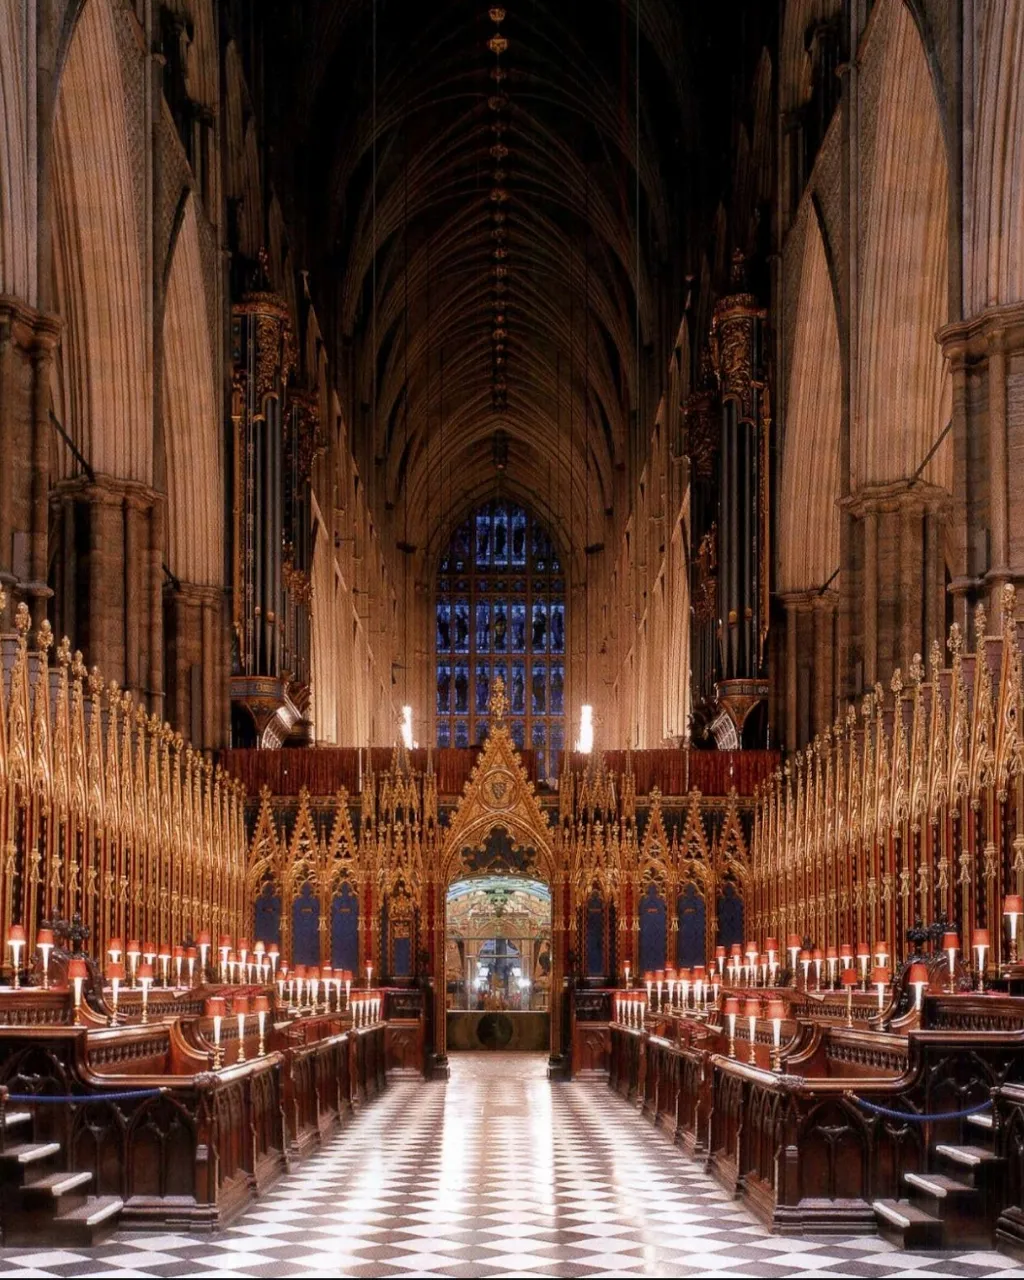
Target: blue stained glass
444,628
519,733
500,544
462,733
483,628
461,689
519,628
481,731
462,538
444,733
483,687
558,628
500,628
557,743
501,669
557,689
538,688
517,695
444,688
483,541
539,549
539,639
518,536
461,627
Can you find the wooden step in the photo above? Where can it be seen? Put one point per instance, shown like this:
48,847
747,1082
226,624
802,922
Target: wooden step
13,1119
81,1224
940,1186
982,1120
907,1225
959,1204
55,1186
975,1165
22,1161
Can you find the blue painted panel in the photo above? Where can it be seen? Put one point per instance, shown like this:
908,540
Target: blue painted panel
268,916
306,927
652,930
595,936
345,930
403,958
690,944
730,917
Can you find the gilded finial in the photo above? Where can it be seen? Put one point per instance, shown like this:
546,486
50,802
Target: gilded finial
851,717
955,643
936,659
980,622
916,669
1008,602
64,652
3,599
22,619
44,637
95,682
498,702
78,665
895,684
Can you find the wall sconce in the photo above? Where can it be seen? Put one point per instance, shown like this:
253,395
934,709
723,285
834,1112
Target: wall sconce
179,960
165,965
805,964
225,947
114,950
818,959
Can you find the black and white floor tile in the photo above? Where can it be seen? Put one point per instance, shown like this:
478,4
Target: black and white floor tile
497,1173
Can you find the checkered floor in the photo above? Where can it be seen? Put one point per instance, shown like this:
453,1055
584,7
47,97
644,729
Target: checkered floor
496,1173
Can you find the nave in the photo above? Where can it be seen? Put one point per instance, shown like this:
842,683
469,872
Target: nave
498,1171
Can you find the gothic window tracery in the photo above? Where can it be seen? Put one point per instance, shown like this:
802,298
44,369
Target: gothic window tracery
501,611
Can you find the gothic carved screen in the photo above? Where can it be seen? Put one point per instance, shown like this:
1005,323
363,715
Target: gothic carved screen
501,611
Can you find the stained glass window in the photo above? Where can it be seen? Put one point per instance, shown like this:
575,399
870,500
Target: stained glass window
501,611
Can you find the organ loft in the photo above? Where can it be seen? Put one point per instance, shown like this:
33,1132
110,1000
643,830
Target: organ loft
511,637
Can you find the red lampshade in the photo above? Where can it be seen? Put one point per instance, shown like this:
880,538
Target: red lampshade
225,941
772,944
732,1005
659,975
44,938
917,975
300,971
115,944
950,942
649,975
736,950
846,950
719,951
259,948
165,952
700,973
77,969
145,972
752,1008
191,953
240,1004
16,933
805,956
115,971
832,954
794,942
849,978
777,1009
762,959
232,958
880,975
685,975
863,949
203,939
980,938
670,975
313,974
243,945
327,973
215,1007
261,1004
273,949
817,954
752,948
179,951
1013,905
133,947
880,947
149,948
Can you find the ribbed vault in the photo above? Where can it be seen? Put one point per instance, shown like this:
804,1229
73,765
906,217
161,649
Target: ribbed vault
497,238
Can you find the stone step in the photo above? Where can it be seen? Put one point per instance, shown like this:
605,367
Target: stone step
907,1225
24,1159
959,1204
940,1186
81,1224
14,1119
981,1120
55,1186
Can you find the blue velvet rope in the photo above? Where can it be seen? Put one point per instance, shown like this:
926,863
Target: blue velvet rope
129,1095
918,1119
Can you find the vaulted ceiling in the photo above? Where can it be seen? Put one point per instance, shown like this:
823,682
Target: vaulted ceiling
497,227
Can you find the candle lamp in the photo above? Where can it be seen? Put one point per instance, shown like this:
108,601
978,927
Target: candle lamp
716,986
241,1007
659,978
1013,908
720,961
846,956
149,950
700,987
917,977
753,1012
863,961
204,943
369,975
670,982
762,969
951,945
794,943
880,977
145,982
327,978
732,1010
115,976
313,978
881,955
347,976
242,950
649,983
685,985
736,960
280,988
832,964
165,965
776,1013
44,945
752,950
261,1007
805,964
299,983
848,978
625,970
980,943
225,947
216,1009
274,956
15,942
77,974
179,960
817,959
133,951
114,949
190,963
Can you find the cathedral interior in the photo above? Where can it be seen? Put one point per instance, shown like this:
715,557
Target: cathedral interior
511,637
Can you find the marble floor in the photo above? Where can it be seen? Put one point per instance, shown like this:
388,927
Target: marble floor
496,1173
